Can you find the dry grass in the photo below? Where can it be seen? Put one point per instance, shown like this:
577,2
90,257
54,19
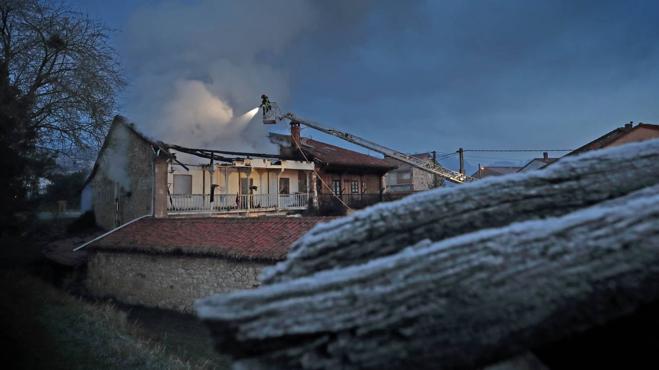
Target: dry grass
43,327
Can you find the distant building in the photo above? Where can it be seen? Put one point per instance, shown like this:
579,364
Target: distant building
409,179
488,171
621,135
538,163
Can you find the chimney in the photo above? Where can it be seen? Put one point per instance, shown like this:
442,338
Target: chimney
295,133
545,156
629,125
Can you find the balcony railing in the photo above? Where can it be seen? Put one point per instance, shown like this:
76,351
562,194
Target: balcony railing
329,204
226,203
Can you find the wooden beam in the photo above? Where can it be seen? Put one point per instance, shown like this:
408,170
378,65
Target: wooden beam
460,303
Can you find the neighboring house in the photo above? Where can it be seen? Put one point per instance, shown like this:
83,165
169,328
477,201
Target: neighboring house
538,163
488,171
356,178
136,176
621,135
170,262
409,179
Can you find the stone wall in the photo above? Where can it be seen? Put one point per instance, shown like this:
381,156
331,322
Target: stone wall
166,281
122,185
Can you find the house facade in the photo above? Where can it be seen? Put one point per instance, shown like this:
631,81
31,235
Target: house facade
242,185
135,176
408,179
343,178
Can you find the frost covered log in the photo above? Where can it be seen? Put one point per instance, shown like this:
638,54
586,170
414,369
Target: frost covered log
384,229
462,302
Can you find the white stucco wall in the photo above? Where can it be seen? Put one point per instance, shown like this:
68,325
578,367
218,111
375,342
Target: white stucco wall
227,179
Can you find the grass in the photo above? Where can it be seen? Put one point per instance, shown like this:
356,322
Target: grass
43,327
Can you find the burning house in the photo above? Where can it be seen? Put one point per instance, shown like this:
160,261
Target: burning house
171,237
136,176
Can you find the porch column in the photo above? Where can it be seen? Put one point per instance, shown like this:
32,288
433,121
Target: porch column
160,188
381,188
278,189
314,191
249,189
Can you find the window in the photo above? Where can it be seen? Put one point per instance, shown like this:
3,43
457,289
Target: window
354,187
336,187
183,184
284,185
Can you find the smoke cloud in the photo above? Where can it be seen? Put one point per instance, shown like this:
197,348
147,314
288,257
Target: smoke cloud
195,68
115,160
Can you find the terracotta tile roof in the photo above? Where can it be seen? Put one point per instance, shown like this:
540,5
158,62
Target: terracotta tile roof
257,238
494,171
610,137
331,155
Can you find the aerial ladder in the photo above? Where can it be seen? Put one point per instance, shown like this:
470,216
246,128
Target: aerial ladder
272,115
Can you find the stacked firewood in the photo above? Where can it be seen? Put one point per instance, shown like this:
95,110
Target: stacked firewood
460,277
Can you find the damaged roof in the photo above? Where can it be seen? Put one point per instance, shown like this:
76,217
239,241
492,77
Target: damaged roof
252,238
334,156
122,121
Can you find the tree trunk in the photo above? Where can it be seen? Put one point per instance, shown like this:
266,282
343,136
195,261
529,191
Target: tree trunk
569,184
467,301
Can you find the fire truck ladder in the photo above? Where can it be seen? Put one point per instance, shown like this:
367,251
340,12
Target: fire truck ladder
273,116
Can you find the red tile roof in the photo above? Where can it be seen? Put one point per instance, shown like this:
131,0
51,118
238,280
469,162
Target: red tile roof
338,156
610,137
331,155
258,238
494,171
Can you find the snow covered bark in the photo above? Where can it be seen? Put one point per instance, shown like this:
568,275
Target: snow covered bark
384,229
462,302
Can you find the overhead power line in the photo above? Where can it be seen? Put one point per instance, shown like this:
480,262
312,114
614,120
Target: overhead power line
518,150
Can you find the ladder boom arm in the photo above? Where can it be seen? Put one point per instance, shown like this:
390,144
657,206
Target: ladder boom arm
419,163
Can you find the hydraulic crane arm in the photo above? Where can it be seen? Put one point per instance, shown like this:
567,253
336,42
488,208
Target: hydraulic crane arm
273,116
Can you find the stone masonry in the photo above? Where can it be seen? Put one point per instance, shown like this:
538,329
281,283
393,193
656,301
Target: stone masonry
166,280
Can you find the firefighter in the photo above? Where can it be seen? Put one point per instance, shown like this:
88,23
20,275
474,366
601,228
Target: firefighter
265,104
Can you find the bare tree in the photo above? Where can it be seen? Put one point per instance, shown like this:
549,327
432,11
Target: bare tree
63,70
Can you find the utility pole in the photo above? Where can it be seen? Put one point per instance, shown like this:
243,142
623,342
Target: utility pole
435,180
461,154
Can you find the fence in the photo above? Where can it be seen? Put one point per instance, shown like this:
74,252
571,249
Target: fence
198,203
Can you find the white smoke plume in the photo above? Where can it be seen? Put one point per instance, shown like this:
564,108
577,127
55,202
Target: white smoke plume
114,161
195,67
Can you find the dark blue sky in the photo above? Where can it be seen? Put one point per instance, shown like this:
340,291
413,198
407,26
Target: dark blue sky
414,75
